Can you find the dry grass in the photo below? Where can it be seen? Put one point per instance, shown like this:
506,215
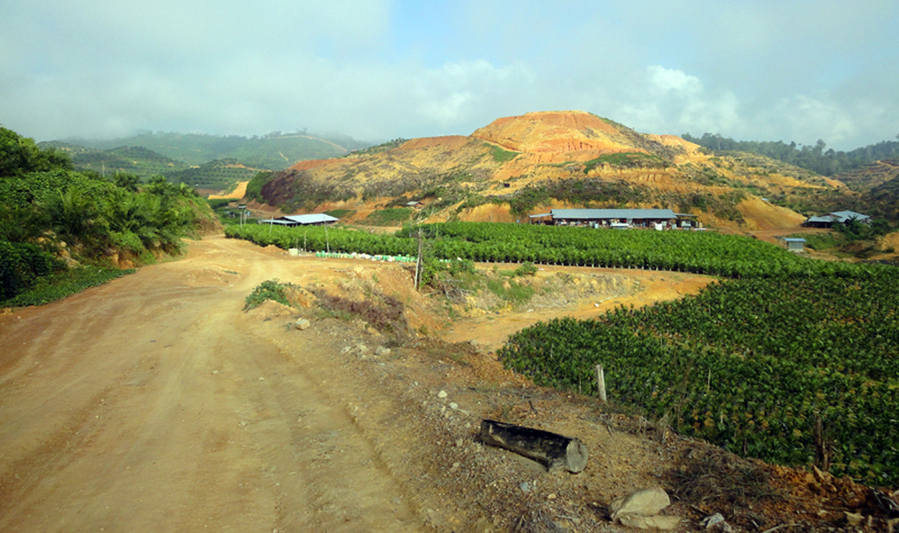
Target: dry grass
712,476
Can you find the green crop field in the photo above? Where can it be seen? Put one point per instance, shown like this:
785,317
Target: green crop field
751,363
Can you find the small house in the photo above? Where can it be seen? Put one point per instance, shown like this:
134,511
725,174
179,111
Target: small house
795,244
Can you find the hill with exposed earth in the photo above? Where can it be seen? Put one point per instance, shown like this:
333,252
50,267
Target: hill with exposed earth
521,165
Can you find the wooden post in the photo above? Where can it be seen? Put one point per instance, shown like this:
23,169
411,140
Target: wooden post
601,383
418,263
822,453
550,449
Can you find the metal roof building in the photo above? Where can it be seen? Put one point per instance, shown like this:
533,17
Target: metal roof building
615,217
613,214
842,217
795,244
315,219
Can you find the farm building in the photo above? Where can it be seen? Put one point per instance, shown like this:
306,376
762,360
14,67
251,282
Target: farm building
836,217
795,244
315,219
614,218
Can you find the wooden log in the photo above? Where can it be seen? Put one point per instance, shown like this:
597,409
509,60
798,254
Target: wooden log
550,449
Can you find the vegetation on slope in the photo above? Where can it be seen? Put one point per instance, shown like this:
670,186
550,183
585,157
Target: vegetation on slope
135,160
817,158
49,213
752,365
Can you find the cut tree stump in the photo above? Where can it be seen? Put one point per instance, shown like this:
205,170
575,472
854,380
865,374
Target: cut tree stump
550,449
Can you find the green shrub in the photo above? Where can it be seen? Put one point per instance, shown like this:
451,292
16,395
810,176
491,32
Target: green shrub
267,290
21,266
526,269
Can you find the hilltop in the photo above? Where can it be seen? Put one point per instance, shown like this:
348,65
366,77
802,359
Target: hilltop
520,165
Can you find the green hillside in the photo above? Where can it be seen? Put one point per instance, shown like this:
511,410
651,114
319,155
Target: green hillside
215,175
274,151
137,160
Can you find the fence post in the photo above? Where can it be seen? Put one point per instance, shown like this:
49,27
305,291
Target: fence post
601,383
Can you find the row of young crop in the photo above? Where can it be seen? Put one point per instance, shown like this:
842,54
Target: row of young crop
701,362
698,252
704,253
323,239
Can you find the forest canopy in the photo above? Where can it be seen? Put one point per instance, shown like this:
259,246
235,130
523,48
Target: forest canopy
817,158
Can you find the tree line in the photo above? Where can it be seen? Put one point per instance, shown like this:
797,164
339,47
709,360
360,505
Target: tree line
817,158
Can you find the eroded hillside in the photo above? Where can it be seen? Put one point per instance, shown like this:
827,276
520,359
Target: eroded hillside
521,165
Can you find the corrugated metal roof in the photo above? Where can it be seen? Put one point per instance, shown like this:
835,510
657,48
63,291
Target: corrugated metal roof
602,214
843,216
825,218
794,239
315,218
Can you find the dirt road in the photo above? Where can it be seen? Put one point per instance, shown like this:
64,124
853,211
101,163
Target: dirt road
154,403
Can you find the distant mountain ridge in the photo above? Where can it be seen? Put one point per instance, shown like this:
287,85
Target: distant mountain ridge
200,160
273,151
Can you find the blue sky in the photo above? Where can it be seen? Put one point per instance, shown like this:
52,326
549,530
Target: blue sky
792,70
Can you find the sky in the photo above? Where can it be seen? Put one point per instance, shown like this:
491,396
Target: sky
767,70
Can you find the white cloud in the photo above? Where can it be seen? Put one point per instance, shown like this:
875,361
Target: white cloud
674,81
764,69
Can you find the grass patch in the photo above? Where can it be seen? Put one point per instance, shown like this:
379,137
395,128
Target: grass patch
267,290
501,156
821,241
389,217
516,294
626,160
341,213
65,283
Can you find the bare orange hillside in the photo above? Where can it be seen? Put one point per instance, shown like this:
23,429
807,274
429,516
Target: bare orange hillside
449,142
557,158
313,163
239,192
554,131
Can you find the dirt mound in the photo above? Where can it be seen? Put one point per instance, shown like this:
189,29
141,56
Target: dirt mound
762,215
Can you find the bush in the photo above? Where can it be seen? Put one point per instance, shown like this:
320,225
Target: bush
59,285
267,290
21,265
526,269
